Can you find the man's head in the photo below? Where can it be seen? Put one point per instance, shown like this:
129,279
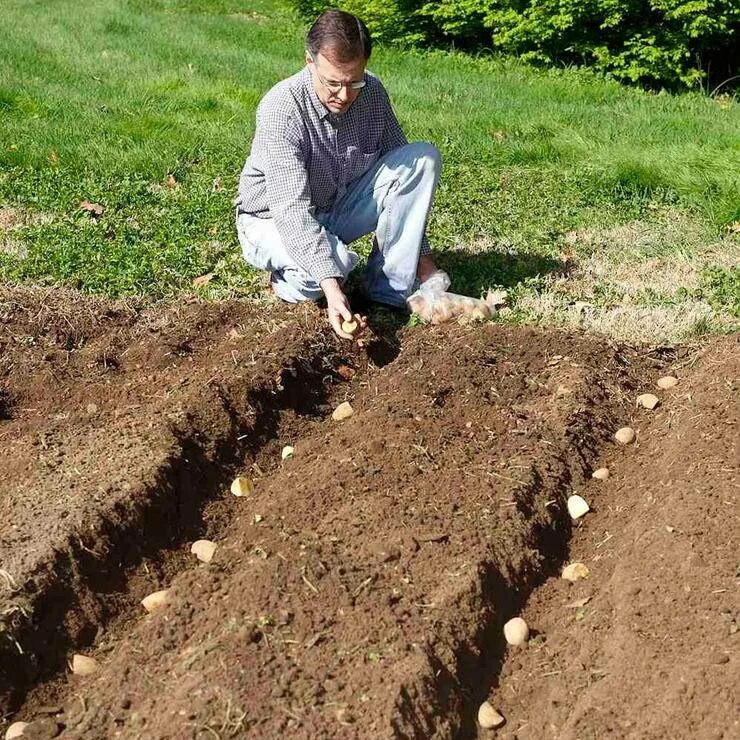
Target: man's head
338,46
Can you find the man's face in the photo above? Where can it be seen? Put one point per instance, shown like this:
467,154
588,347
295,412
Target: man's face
327,71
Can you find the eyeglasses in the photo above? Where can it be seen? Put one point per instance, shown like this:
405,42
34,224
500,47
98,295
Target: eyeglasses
334,87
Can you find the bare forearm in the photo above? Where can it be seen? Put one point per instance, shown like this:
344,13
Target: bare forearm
331,287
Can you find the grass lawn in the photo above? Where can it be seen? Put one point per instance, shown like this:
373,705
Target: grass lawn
592,203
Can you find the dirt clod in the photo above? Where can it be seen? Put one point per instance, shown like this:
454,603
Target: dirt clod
667,382
44,728
384,552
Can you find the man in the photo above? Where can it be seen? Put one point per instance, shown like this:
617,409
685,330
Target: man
329,163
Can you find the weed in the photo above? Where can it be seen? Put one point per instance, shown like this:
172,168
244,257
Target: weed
722,288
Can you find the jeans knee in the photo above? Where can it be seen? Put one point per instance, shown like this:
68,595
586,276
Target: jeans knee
428,155
345,259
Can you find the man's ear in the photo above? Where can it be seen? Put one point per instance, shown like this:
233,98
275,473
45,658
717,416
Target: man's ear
308,57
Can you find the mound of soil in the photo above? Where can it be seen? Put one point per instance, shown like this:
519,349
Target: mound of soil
360,591
647,646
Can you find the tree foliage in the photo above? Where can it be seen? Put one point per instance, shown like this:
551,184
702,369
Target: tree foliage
671,43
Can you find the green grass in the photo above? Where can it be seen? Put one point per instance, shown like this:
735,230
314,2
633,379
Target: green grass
102,101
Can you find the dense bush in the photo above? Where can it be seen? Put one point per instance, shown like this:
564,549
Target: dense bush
672,43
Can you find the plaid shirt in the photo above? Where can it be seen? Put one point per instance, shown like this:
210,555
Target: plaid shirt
304,158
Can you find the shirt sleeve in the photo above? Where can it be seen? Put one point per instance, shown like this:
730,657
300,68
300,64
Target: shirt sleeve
289,199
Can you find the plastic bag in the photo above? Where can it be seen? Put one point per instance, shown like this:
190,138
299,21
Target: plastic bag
433,303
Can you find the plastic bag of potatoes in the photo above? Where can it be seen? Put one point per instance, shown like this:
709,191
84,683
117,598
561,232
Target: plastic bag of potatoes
433,303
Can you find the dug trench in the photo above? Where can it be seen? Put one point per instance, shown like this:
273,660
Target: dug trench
117,440
645,645
359,591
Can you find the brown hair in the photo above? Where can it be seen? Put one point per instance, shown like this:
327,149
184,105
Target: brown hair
345,34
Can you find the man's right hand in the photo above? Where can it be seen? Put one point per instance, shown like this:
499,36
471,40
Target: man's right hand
338,308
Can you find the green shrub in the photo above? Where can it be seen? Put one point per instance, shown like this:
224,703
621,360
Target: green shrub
671,43
388,20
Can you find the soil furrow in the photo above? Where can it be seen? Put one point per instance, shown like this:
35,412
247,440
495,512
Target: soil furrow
360,591
635,649
145,483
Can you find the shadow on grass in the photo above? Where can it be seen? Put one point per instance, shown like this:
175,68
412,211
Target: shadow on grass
473,273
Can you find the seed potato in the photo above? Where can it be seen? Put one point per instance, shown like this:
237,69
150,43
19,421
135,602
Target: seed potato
488,717
15,730
577,506
242,486
155,600
204,550
84,666
516,631
625,435
575,572
343,411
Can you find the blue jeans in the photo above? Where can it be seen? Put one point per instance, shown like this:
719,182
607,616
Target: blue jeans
392,199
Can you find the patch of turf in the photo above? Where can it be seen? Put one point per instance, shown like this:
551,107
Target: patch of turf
148,109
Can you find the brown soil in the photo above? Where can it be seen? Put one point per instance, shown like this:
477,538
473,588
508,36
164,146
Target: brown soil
647,646
360,591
